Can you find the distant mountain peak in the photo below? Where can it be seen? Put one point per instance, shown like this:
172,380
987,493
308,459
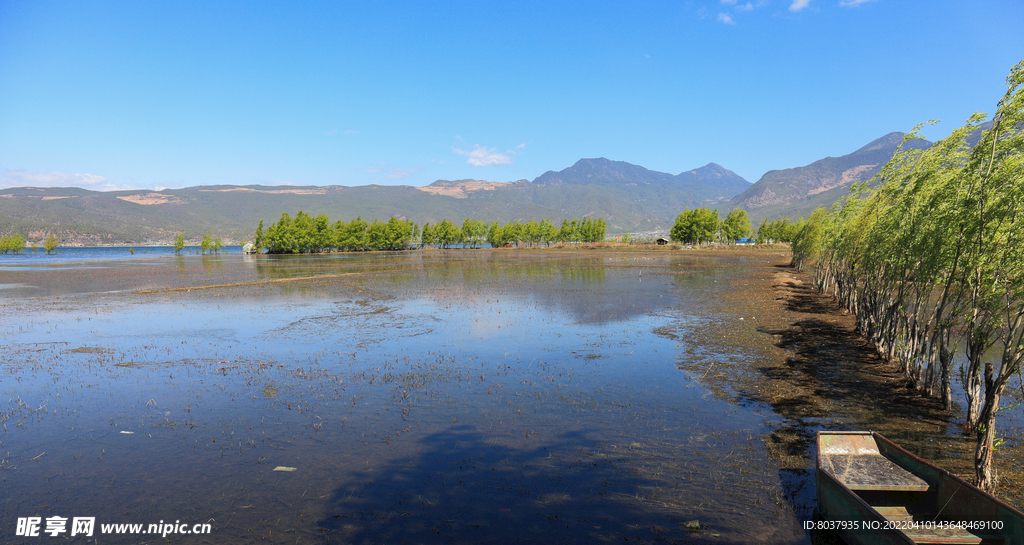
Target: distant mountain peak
887,142
712,170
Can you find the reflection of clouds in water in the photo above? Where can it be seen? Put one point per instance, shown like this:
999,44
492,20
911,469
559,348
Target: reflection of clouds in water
484,327
596,297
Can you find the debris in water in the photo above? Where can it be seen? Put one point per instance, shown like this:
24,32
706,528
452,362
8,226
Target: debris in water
284,468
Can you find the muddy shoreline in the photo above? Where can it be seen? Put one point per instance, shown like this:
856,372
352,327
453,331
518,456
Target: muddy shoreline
836,380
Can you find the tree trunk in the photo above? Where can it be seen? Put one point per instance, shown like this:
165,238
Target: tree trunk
946,363
986,433
972,378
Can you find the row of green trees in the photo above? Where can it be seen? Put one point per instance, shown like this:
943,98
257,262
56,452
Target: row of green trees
779,230
307,234
16,243
12,243
533,233
703,225
932,259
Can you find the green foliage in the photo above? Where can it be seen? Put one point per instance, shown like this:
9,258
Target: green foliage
51,243
258,240
474,232
179,242
780,230
582,231
207,243
304,234
934,256
494,235
12,243
736,225
427,237
351,236
695,226
446,234
808,241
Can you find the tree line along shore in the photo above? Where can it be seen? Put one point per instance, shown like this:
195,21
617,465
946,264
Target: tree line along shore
929,257
307,234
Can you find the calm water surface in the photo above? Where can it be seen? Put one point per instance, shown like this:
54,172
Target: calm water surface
430,397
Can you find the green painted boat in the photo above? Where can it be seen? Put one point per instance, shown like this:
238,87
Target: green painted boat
871,491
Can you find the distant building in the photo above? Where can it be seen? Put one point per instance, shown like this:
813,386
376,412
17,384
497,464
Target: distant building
662,241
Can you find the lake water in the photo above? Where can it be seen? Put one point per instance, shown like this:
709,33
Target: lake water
426,397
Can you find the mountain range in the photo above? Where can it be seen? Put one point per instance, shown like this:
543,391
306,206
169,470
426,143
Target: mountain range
796,192
631,198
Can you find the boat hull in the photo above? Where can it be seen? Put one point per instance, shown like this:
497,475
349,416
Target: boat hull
871,491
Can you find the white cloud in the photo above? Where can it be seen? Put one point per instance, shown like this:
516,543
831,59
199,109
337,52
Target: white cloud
350,131
483,157
723,18
798,5
332,132
28,178
728,2
521,146
379,167
854,3
745,7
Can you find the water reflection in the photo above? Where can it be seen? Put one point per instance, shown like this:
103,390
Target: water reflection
423,397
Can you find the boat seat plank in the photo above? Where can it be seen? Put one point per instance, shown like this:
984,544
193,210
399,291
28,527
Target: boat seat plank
934,536
871,472
924,536
894,512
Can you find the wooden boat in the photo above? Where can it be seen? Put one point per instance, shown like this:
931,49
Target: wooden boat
871,491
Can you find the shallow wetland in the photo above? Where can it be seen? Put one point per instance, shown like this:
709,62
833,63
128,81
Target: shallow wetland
465,396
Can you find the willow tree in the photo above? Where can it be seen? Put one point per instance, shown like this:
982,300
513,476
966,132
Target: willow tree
996,263
933,255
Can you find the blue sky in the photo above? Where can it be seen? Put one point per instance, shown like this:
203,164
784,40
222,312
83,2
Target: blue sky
110,95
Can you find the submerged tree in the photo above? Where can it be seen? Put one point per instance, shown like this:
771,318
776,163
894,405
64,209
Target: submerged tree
179,243
207,243
12,243
51,243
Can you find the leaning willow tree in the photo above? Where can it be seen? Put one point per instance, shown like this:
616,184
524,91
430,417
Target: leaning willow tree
932,259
